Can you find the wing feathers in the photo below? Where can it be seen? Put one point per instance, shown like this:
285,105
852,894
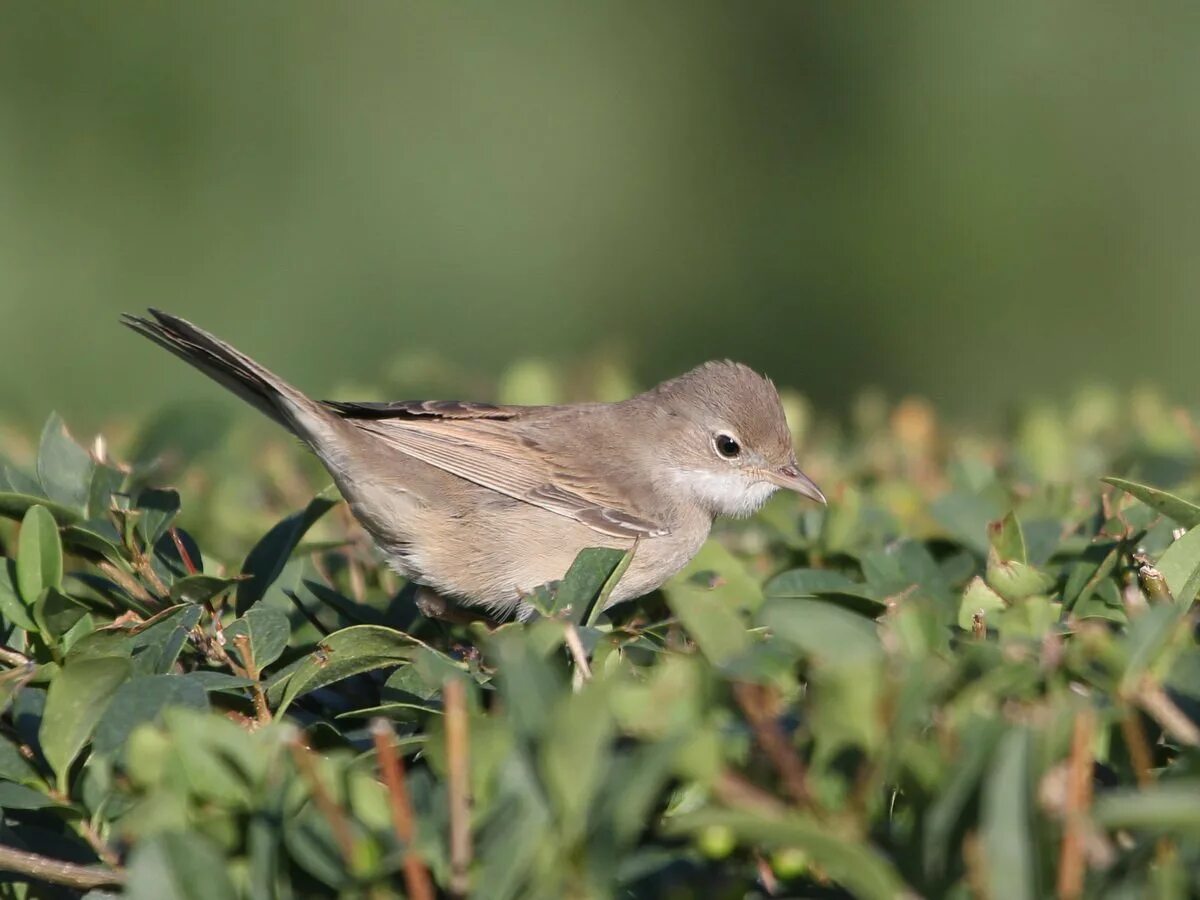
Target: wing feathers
495,456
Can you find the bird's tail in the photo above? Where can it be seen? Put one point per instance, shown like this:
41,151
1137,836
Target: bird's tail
258,386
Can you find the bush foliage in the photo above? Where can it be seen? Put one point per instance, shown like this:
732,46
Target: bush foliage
974,674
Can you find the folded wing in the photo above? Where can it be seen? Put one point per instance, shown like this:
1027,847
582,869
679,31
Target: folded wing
480,443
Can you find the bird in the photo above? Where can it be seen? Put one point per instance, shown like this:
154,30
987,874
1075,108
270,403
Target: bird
481,504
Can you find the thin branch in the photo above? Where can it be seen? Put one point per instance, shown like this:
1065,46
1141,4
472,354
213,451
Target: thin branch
752,699
262,711
454,699
56,871
1139,748
1151,697
339,825
14,658
182,551
583,671
416,876
1072,864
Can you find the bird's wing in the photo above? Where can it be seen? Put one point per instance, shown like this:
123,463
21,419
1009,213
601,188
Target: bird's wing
491,452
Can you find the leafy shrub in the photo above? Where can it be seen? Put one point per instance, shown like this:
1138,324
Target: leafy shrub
974,674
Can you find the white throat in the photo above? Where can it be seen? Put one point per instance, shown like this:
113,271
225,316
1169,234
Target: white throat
724,493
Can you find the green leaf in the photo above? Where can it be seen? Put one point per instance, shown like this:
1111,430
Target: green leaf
978,740
574,754
158,508
266,561
1005,540
978,598
15,506
1180,566
76,700
1148,636
268,631
157,644
1015,581
56,614
199,588
21,796
11,608
39,555
858,867
350,651
709,616
828,633
143,699
64,468
178,865
1165,806
105,482
1006,820
580,588
1182,511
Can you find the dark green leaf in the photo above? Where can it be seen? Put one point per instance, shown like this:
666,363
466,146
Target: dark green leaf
105,482
177,865
270,555
823,630
199,588
20,796
359,648
1166,806
1180,566
39,555
1182,511
12,608
76,700
157,645
1006,820
581,586
64,468
268,631
858,867
142,699
158,510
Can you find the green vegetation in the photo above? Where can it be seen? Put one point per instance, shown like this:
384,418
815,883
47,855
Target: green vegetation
974,674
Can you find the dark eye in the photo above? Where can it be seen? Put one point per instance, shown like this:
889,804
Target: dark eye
727,446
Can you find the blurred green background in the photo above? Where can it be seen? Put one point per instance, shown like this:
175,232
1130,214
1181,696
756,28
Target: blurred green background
981,202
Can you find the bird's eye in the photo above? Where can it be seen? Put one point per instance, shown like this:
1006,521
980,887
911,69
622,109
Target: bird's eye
727,446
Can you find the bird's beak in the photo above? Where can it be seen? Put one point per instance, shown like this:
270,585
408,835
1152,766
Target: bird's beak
792,479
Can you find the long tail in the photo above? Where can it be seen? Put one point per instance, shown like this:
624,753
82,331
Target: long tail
259,387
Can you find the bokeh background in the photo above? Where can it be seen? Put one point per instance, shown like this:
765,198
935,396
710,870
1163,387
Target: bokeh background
979,202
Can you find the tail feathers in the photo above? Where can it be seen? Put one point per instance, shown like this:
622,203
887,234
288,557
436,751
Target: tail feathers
229,367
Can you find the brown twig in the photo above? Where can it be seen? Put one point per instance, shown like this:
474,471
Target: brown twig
56,871
583,671
14,658
454,698
339,825
262,711
1151,697
1072,864
131,585
737,793
979,625
416,876
184,556
752,699
1139,748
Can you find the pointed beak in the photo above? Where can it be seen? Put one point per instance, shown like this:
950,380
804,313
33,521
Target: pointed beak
792,479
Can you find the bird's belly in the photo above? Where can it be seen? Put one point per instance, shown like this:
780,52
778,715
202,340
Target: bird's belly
495,560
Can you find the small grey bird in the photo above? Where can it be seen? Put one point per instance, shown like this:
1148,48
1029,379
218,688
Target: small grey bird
483,503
